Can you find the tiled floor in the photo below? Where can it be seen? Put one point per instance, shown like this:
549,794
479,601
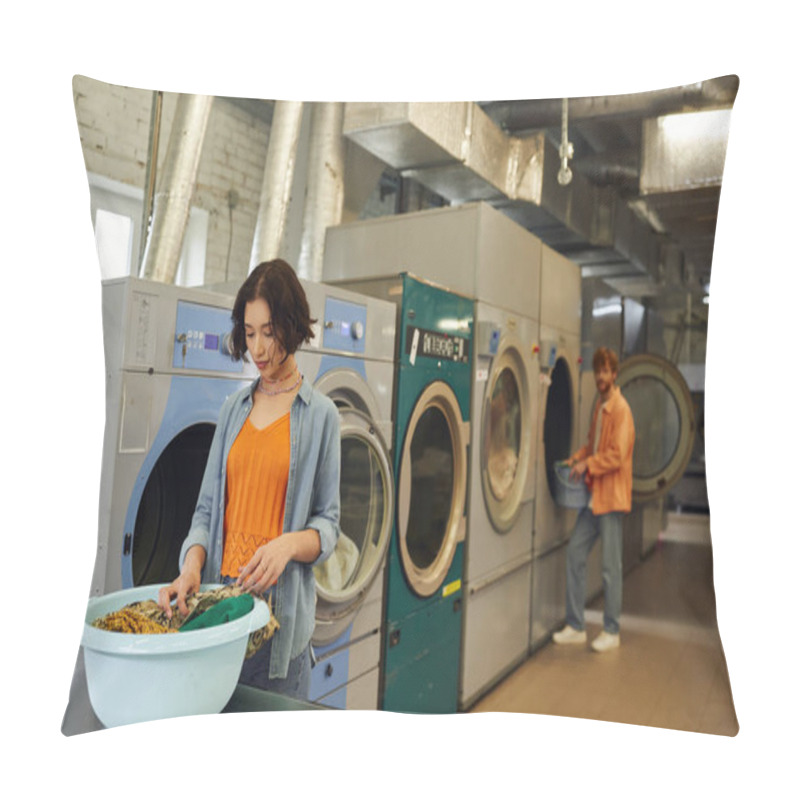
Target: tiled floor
670,671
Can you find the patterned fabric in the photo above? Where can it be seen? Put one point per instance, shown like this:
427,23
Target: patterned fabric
257,474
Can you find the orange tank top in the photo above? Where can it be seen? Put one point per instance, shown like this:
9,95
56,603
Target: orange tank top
257,473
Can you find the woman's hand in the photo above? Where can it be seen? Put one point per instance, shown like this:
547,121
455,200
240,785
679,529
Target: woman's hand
187,583
267,564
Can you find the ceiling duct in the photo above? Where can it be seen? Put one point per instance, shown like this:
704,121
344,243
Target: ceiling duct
683,152
457,151
529,115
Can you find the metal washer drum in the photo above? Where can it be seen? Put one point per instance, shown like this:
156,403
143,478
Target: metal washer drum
337,607
426,580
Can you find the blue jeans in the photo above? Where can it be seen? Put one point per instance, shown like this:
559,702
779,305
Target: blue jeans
255,670
296,684
588,528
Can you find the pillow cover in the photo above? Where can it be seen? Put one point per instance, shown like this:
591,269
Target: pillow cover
188,192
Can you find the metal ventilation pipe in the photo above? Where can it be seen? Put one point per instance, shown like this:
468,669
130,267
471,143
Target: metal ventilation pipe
520,116
325,188
276,186
174,194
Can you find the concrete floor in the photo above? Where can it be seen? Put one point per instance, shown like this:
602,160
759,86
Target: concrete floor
670,671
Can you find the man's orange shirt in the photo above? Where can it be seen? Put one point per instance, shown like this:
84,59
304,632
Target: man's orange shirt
610,469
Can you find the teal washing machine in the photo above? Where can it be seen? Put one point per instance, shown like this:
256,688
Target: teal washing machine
423,595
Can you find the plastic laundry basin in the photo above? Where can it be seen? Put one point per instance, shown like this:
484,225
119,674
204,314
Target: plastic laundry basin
133,677
569,492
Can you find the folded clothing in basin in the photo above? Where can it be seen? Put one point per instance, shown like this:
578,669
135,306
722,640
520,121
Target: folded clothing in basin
224,611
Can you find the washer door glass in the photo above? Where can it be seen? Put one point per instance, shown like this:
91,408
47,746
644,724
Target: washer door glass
558,419
506,438
432,489
167,505
663,415
367,502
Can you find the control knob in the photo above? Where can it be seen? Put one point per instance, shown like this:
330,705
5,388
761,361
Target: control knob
226,345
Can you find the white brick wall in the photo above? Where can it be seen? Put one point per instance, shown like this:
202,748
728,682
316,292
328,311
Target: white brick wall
114,128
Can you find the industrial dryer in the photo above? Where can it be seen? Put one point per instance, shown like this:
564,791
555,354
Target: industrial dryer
168,371
422,628
481,253
559,402
663,415
351,360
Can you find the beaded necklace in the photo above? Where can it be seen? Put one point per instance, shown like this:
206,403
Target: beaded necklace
285,390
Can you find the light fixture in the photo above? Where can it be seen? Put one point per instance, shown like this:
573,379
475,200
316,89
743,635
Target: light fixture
566,150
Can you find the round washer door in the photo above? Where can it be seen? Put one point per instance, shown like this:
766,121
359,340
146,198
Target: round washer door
506,439
367,503
431,488
559,419
164,512
348,389
663,414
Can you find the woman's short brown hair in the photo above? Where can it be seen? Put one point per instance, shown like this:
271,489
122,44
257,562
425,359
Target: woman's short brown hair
276,283
605,356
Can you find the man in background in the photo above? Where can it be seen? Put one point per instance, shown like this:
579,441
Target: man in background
605,462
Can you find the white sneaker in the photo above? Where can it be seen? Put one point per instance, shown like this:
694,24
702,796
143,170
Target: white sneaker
569,635
605,641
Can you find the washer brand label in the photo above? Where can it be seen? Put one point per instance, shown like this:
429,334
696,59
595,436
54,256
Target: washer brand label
451,588
421,343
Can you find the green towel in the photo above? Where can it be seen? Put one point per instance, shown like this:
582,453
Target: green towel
226,610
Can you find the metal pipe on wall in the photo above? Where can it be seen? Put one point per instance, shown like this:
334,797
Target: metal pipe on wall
152,170
325,186
276,186
173,197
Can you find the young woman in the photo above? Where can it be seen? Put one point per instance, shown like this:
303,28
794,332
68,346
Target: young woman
268,509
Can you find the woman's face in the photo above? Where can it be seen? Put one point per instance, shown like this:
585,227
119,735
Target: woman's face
262,345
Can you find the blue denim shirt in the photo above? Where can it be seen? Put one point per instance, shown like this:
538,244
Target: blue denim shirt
312,501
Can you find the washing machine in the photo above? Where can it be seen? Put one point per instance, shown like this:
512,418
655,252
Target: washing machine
168,371
559,404
351,360
481,253
499,551
664,417
424,573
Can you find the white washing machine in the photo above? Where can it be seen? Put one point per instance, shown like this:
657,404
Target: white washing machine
479,252
559,404
351,360
663,415
498,566
168,371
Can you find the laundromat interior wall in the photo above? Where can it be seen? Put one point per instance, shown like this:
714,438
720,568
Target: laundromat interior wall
115,128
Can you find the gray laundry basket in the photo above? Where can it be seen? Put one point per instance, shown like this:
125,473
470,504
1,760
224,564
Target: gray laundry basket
569,493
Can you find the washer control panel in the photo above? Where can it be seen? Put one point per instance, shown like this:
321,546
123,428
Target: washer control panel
202,339
487,338
345,326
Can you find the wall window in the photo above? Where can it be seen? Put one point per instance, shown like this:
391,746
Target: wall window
117,210
113,236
